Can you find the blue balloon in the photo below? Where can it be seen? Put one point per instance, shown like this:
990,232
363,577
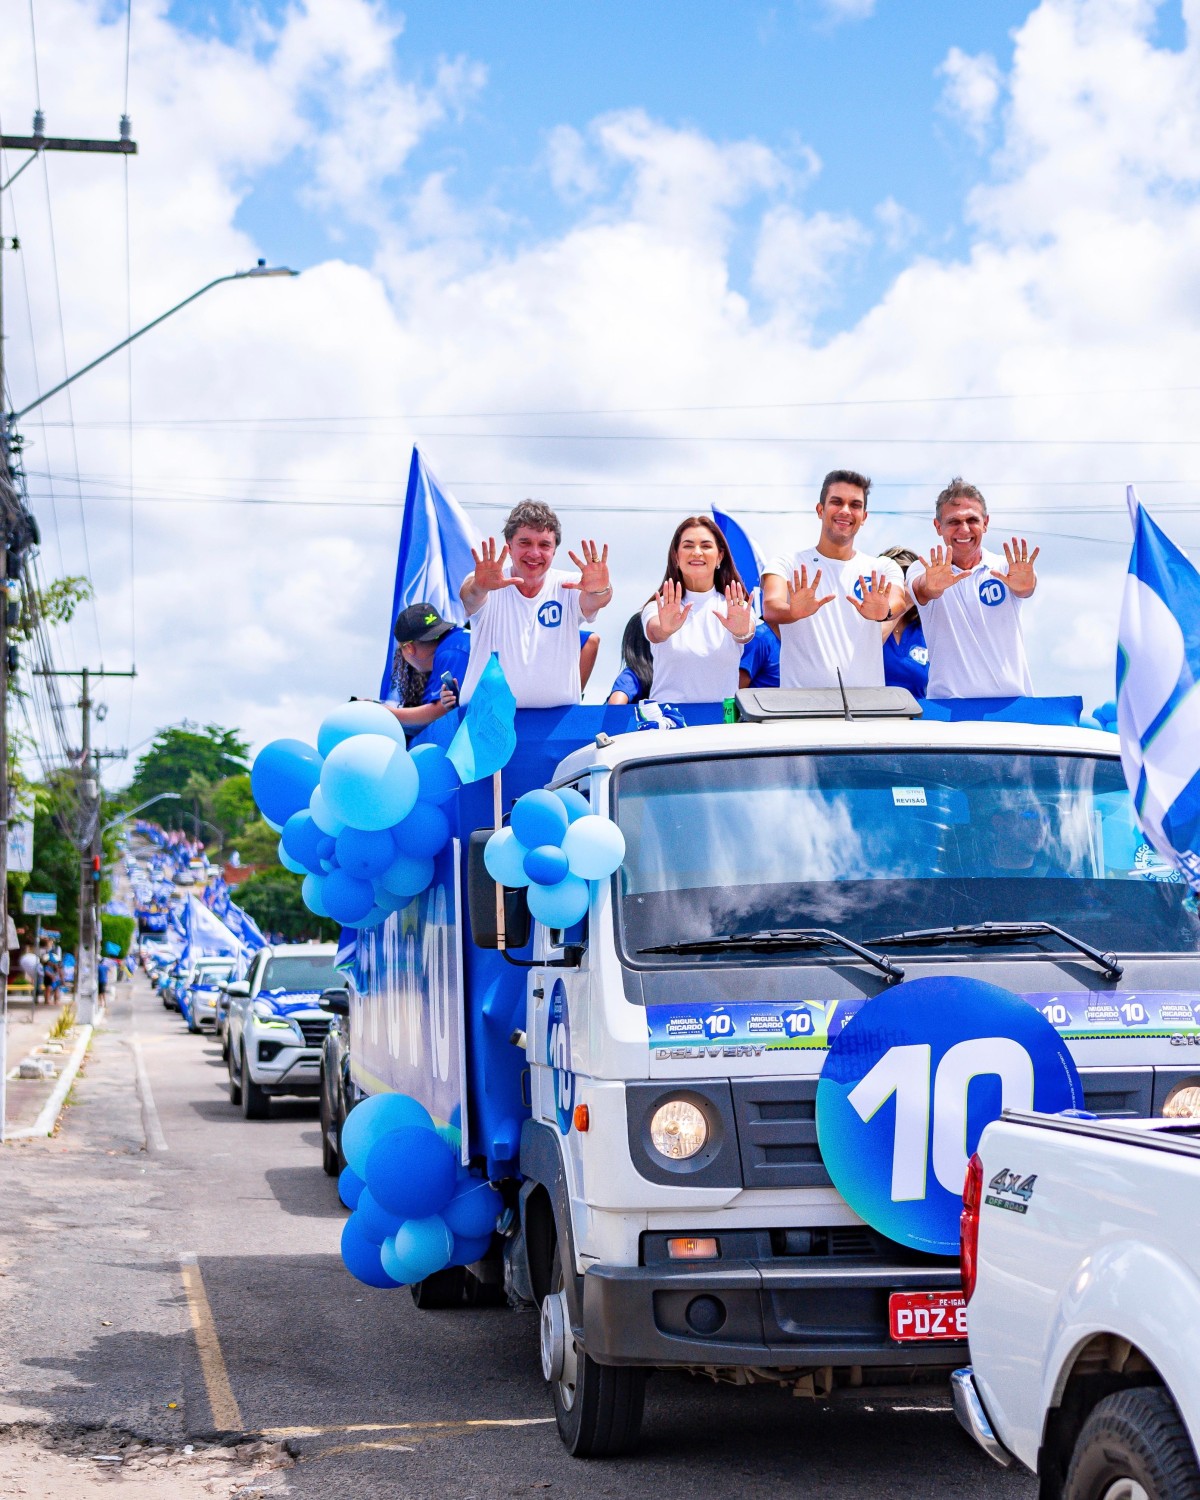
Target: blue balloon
407,876
474,1209
274,827
373,918
282,778
326,850
504,858
576,804
302,839
410,1172
594,847
364,854
321,815
560,905
394,1266
310,892
539,818
422,1246
424,833
376,1223
361,1257
357,718
350,1187
369,781
467,1251
388,901
346,899
546,865
438,778
1106,712
288,863
375,1116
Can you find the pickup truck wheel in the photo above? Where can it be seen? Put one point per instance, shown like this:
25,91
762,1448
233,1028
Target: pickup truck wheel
256,1103
329,1154
235,1082
598,1408
441,1290
1134,1446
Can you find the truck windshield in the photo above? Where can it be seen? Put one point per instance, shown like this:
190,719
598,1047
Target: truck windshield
878,842
301,974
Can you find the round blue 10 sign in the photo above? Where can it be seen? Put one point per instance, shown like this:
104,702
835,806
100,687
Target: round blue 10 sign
908,1086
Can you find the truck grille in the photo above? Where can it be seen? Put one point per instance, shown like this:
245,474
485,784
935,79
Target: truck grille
315,1030
777,1132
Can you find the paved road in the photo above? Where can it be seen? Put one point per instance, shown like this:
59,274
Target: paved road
101,1309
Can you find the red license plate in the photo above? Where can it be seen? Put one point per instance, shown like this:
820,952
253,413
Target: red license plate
924,1317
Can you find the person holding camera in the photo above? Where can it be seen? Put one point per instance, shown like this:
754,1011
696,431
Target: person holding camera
429,666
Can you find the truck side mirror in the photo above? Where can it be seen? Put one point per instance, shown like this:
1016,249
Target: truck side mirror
481,901
336,1000
238,990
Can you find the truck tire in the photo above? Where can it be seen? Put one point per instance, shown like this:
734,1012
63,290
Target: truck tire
1134,1446
598,1408
329,1154
256,1104
442,1290
235,1083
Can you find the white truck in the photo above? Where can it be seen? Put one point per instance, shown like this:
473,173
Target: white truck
642,1087
1082,1268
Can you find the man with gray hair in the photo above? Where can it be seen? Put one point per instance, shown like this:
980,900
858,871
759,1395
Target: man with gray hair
970,602
530,615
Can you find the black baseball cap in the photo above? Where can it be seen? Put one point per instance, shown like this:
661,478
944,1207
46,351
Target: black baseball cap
420,622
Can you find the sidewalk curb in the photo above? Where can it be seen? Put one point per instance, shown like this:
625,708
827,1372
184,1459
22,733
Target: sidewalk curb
48,1118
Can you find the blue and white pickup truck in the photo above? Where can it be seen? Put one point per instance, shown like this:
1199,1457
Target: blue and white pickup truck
1081,1266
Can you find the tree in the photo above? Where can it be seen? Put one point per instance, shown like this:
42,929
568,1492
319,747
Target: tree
258,844
273,899
188,760
231,806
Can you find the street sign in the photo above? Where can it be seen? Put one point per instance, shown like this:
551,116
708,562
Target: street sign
20,835
39,904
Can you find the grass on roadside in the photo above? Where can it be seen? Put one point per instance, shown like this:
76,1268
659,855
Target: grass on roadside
64,1024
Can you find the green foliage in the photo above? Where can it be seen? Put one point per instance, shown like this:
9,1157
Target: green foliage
231,807
117,930
56,860
259,846
188,760
273,899
54,605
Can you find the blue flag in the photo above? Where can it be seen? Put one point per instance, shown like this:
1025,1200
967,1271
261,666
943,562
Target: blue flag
745,554
487,737
1158,692
435,553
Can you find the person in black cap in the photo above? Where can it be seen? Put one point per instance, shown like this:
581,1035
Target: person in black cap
430,662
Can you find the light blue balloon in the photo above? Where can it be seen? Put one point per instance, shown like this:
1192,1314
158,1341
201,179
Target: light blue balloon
288,863
388,901
439,779
594,847
282,778
376,1115
560,905
504,858
576,804
274,827
369,781
310,893
357,718
539,818
373,918
321,815
393,1266
546,865
365,855
407,876
425,831
422,1246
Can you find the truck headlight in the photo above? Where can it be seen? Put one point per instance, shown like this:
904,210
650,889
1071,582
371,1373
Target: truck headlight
1183,1102
678,1129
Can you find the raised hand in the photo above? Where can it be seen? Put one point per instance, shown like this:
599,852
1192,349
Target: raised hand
1020,576
738,618
876,603
672,611
803,597
939,573
489,569
593,569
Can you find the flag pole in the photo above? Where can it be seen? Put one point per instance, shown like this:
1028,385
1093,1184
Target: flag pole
498,819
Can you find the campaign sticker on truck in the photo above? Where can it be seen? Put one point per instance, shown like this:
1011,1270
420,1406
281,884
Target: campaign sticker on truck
558,1055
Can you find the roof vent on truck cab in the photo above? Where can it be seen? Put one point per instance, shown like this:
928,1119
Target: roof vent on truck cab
764,705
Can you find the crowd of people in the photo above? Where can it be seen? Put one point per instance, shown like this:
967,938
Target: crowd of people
944,622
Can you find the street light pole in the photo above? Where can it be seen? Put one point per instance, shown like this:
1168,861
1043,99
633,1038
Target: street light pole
141,807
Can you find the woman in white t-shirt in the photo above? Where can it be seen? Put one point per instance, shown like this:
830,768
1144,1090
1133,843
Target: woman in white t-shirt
699,620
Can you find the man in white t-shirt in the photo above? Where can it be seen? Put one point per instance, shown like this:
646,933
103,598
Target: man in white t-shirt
824,634
970,603
531,614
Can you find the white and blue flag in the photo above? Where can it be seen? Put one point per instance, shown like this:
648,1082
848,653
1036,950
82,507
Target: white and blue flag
435,553
1158,692
743,548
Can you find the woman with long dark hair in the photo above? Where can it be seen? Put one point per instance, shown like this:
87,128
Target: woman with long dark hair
632,682
700,618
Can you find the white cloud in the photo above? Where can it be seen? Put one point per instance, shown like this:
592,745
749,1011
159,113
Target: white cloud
849,10
972,89
898,224
799,258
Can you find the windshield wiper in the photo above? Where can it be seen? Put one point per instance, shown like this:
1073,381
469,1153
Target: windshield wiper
984,932
781,938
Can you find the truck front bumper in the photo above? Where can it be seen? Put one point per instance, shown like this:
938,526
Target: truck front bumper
773,1316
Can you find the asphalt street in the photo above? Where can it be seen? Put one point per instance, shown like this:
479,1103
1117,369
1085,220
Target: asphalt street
169,1269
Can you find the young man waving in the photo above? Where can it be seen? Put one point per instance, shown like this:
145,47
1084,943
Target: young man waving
530,614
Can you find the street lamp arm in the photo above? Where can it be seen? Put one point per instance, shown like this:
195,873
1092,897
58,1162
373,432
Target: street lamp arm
257,271
125,817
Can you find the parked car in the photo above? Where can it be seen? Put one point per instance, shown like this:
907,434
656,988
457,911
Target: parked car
1081,1270
198,994
276,1027
338,1092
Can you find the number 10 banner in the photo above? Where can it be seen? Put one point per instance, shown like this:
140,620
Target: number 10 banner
909,1085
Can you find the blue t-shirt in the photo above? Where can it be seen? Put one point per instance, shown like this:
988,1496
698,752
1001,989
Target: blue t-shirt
450,655
760,658
906,662
627,683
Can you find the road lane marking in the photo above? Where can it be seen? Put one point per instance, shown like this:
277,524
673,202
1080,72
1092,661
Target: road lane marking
225,1413
151,1124
280,1434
